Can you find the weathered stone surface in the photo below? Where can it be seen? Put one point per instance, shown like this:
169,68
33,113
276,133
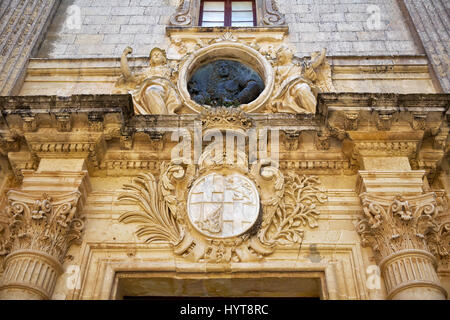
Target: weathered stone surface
124,199
431,20
22,27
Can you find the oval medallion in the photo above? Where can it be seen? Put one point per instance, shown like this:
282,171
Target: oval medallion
223,206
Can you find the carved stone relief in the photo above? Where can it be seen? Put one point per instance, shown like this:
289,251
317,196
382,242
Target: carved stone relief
227,71
295,88
41,229
153,90
210,211
399,230
272,15
183,15
223,206
225,83
44,223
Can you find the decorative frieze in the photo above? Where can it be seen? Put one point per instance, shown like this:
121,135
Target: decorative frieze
389,148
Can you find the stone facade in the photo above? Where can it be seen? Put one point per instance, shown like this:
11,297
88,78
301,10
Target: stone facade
116,182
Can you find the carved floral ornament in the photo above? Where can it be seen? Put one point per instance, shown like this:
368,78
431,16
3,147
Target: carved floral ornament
42,223
393,224
291,85
219,212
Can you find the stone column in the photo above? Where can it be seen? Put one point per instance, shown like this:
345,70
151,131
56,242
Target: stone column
398,219
44,220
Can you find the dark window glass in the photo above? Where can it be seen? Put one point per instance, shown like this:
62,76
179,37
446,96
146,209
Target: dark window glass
227,13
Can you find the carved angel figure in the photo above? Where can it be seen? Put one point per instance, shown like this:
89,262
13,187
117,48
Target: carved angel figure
296,90
153,91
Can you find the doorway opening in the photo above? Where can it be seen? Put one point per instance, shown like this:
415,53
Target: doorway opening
153,286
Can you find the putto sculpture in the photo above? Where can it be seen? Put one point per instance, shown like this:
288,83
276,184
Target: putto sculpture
296,87
153,90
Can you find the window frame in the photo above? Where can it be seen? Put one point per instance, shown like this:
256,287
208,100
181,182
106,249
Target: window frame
227,12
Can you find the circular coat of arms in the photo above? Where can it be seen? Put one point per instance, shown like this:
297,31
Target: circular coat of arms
223,206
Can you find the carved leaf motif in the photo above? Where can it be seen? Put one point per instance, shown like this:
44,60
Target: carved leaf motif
43,224
294,210
155,218
397,223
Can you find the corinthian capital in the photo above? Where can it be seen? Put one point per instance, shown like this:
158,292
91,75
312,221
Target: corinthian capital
43,223
396,223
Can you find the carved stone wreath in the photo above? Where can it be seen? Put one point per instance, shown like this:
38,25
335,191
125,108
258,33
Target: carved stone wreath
287,201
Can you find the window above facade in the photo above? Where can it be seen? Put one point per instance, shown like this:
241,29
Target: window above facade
227,13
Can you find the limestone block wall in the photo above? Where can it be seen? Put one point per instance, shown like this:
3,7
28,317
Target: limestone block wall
348,27
345,27
107,26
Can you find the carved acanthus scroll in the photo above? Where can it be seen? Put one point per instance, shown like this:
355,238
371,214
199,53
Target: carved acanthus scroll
182,16
292,207
158,205
272,16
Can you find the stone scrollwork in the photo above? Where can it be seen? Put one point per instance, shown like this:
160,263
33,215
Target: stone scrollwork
158,216
210,211
182,16
272,15
153,90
